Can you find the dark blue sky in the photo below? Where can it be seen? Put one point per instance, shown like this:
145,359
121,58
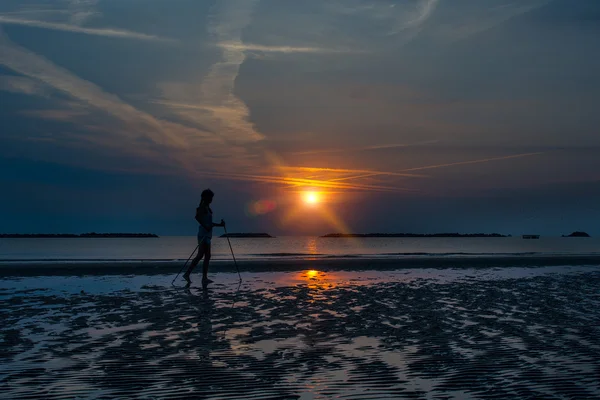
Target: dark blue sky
404,115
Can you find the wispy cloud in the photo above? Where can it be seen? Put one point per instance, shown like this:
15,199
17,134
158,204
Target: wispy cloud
409,17
483,16
347,171
213,103
57,114
22,85
365,148
81,11
30,64
230,113
305,182
239,46
362,174
182,106
140,133
485,160
404,18
107,32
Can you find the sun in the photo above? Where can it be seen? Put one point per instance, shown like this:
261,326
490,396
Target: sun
311,197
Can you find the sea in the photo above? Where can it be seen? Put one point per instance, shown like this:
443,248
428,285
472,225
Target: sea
371,318
172,248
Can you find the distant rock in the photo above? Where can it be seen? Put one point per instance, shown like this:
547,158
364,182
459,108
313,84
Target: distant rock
70,235
577,234
118,235
411,235
246,235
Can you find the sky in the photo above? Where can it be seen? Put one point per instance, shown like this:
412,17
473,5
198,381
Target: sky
402,115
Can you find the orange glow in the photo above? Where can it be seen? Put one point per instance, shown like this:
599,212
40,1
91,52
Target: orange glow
311,246
260,207
310,274
312,197
318,281
319,203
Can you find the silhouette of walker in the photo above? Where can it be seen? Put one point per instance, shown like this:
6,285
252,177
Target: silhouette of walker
204,218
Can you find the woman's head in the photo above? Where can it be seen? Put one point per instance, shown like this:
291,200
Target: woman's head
207,196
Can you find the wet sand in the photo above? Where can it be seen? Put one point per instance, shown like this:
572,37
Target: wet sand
353,334
386,263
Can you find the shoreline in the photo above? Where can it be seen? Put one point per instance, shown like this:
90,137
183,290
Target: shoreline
157,267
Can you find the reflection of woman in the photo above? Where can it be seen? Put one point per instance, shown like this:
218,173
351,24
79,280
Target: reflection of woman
201,307
204,218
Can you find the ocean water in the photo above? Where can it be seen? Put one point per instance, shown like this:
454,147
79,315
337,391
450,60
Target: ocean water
180,247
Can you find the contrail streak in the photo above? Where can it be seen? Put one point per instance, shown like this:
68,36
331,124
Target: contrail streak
304,182
238,46
367,174
472,162
353,171
366,148
107,32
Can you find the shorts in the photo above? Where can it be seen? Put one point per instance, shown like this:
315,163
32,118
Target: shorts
204,240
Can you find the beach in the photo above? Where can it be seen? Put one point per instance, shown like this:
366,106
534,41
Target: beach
308,332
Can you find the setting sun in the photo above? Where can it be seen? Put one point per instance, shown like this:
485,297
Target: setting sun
311,197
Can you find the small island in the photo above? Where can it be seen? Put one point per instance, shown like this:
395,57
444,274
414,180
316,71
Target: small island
530,236
410,235
246,235
577,234
71,235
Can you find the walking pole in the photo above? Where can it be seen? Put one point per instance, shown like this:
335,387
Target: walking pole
233,255
185,263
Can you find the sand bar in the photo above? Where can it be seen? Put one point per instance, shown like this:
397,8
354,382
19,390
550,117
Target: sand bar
126,267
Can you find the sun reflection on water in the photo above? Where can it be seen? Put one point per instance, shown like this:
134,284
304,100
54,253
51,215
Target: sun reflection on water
317,280
312,274
311,246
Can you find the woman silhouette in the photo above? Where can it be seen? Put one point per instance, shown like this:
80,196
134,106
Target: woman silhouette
204,218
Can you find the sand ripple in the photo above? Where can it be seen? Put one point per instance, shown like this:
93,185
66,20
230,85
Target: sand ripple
531,337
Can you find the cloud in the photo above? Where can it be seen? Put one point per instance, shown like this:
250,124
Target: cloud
22,85
106,32
480,16
238,46
30,64
346,170
305,182
229,112
422,12
213,103
182,147
56,115
334,27
397,18
77,12
365,148
402,173
80,11
485,160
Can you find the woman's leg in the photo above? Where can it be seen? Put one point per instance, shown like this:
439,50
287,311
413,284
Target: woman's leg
206,252
195,262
